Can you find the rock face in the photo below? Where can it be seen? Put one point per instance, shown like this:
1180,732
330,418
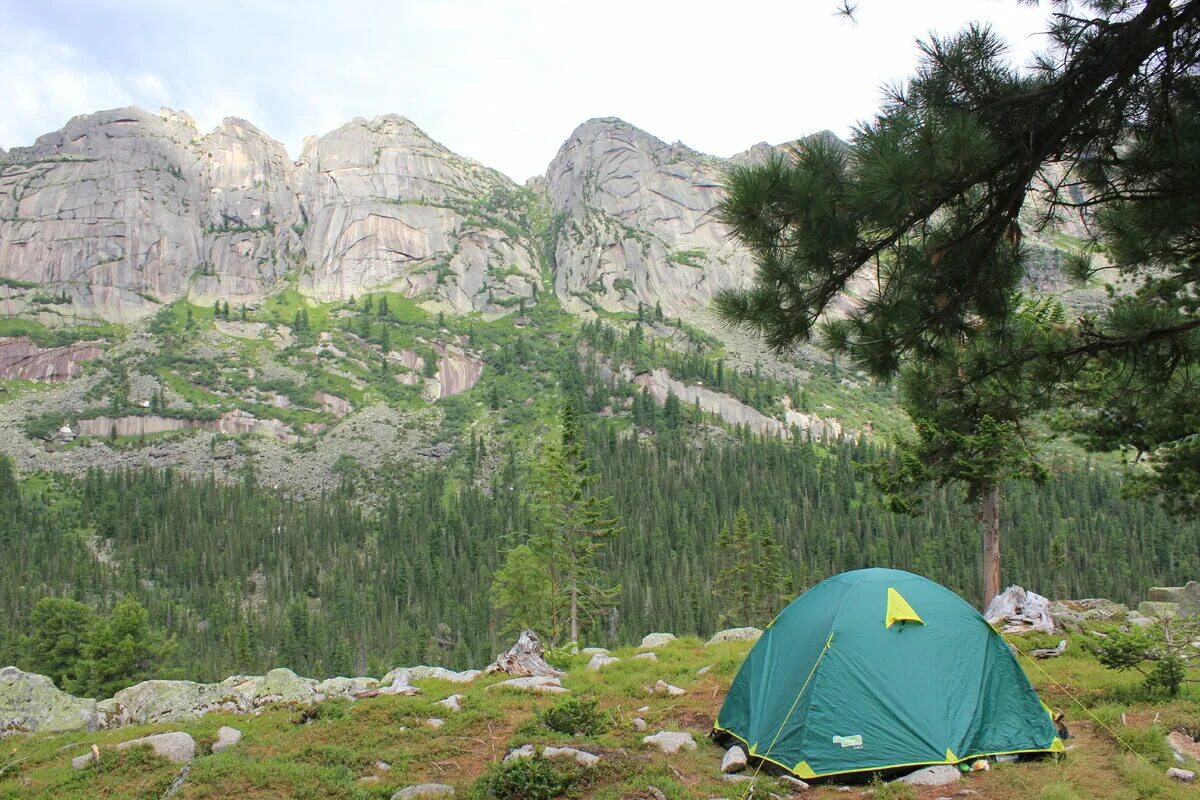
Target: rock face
31,703
659,384
639,222
117,211
388,207
122,210
22,358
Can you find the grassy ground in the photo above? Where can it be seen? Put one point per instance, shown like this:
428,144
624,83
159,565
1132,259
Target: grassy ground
335,755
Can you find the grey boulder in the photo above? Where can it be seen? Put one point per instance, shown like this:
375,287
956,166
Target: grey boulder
734,635
734,760
424,790
177,747
31,703
227,737
938,775
671,742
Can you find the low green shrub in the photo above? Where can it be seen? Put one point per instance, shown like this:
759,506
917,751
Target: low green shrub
574,716
535,778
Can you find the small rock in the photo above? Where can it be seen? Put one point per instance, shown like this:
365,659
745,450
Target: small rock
177,747
382,766
655,793
578,756
424,790
734,635
646,657
643,709
227,737
736,778
662,687
671,742
938,775
541,684
704,670
734,760
452,703
1181,775
793,783
652,641
405,675
639,724
87,759
601,660
435,722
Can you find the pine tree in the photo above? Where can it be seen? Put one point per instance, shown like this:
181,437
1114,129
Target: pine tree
122,649
926,202
58,635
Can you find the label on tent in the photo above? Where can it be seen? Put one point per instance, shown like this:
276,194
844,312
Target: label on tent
849,741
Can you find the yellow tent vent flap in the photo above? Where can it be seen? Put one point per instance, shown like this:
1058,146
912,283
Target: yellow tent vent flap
950,757
898,609
803,770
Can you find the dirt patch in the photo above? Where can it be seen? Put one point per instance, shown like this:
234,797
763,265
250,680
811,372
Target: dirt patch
1184,744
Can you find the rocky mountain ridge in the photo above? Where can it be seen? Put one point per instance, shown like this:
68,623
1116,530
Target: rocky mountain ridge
122,211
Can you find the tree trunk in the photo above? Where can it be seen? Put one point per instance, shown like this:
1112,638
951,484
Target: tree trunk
989,518
575,612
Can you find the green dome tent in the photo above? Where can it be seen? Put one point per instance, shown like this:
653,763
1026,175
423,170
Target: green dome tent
880,669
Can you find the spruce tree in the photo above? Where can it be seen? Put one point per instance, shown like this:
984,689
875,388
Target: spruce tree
572,526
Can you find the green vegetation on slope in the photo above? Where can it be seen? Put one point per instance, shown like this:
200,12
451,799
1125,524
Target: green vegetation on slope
247,577
326,754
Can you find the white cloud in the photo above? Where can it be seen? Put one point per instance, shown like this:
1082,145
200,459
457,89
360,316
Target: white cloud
502,81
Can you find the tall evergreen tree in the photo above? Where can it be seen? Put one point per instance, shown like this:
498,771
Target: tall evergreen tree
926,200
573,524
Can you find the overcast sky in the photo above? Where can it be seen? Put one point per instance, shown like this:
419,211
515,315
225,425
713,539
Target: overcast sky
502,81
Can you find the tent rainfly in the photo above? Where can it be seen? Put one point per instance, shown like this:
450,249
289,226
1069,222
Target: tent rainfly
876,670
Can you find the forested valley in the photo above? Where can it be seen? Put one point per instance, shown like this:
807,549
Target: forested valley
246,578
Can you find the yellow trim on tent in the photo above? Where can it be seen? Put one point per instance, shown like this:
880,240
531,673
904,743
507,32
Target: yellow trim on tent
898,609
803,770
